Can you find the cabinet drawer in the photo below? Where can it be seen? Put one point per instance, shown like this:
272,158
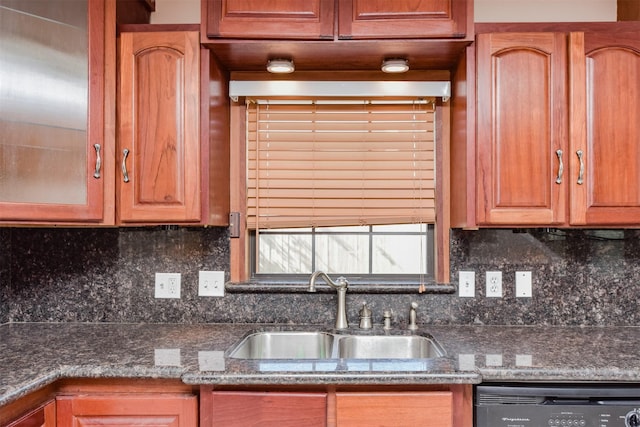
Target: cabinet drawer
269,409
425,409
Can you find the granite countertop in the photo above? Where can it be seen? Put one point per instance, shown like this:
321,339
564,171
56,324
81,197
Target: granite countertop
36,354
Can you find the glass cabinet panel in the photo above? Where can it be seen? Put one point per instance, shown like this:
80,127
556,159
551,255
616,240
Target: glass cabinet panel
45,146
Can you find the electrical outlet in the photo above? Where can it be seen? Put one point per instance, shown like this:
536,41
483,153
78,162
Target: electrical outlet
467,284
523,284
494,284
211,283
167,285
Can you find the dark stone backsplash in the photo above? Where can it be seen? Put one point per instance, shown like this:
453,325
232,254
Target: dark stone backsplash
580,277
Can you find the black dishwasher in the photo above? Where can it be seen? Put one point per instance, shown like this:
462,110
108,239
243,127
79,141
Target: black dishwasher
551,405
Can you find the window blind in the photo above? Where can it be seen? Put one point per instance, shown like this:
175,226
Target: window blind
319,163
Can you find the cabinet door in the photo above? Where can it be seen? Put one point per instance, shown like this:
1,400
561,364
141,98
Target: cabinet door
259,19
159,141
52,69
605,180
521,129
44,416
127,409
424,409
378,19
268,409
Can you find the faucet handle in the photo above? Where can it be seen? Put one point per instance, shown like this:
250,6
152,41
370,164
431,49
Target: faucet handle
365,317
412,316
386,315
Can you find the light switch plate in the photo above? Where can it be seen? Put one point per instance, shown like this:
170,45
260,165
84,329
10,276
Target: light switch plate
523,284
211,283
167,285
467,284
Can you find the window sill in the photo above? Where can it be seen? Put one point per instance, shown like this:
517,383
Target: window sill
268,287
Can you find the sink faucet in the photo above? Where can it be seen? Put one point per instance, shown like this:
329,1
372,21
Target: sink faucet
341,288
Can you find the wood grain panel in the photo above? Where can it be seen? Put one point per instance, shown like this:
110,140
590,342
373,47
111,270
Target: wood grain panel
606,107
159,126
268,409
379,19
364,409
269,19
127,409
521,126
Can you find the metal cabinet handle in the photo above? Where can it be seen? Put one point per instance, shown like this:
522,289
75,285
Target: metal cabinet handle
581,172
560,167
125,174
96,173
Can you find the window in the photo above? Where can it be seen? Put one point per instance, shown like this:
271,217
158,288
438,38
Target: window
343,186
402,251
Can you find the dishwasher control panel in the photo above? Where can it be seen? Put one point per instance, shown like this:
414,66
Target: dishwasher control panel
565,416
556,406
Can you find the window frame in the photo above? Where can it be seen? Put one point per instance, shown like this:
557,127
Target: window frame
385,278
239,245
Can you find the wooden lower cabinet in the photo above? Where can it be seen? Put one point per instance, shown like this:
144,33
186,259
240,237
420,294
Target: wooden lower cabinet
425,409
123,409
267,409
159,403
338,406
43,416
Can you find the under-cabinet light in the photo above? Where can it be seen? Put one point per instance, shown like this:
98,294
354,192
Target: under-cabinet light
395,66
280,66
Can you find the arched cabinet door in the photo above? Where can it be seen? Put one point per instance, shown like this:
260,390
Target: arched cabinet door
605,134
159,179
113,410
521,129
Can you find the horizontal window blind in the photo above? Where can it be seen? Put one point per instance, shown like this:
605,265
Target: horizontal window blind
341,163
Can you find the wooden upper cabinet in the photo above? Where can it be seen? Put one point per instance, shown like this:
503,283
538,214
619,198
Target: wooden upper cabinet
54,144
356,19
159,132
127,409
521,129
264,19
605,118
380,19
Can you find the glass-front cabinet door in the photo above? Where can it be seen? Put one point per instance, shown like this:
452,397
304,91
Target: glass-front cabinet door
51,110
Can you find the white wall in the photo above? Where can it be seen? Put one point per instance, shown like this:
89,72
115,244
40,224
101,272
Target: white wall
545,10
176,12
188,11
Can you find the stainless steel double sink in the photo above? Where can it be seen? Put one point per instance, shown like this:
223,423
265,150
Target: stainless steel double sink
296,345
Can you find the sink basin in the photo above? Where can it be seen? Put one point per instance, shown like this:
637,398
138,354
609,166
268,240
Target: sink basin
388,347
284,345
296,345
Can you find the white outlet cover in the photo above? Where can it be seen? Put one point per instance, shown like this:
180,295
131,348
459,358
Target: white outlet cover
167,285
494,284
467,284
523,284
167,357
211,283
493,360
211,360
